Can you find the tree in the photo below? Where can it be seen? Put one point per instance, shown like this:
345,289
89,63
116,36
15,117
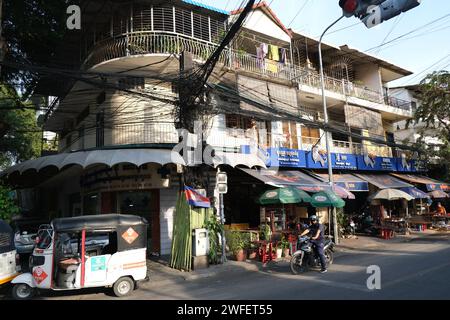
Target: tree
8,207
33,30
21,136
434,111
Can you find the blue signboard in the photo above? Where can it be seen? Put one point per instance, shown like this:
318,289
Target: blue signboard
404,165
354,186
366,162
344,161
284,157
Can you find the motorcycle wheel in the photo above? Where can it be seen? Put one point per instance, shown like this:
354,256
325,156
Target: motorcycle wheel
329,257
298,263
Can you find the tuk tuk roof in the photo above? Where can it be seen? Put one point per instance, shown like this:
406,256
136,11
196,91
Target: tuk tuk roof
99,222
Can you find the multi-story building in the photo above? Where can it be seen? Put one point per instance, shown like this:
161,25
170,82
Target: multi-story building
115,112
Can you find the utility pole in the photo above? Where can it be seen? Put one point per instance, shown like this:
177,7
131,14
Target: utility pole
327,132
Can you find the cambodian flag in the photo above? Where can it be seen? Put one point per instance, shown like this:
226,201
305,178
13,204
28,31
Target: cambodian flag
196,199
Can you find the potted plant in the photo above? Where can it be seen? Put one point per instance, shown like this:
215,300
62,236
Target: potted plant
237,246
285,246
252,250
279,250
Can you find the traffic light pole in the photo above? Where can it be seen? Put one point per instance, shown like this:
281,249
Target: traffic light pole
327,133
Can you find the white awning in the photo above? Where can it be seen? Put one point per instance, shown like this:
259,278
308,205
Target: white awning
110,158
238,159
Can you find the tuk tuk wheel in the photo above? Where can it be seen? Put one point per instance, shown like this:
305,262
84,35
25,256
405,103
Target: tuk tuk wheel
22,291
124,286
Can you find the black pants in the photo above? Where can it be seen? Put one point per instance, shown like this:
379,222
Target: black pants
318,246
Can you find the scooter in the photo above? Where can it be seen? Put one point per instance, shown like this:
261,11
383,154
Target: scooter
306,258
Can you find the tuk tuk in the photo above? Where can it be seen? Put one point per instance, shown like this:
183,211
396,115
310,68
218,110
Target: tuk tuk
107,250
8,269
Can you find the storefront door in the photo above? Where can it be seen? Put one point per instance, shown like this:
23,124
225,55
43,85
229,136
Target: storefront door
144,203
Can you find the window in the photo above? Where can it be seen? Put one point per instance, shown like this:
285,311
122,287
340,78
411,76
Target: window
81,136
68,141
310,135
100,130
290,134
358,132
413,106
238,122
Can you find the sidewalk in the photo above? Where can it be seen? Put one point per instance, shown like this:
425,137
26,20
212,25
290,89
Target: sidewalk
367,242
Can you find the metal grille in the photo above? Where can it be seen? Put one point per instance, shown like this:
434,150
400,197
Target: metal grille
5,239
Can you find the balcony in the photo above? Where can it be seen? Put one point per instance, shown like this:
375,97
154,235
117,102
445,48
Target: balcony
166,43
126,134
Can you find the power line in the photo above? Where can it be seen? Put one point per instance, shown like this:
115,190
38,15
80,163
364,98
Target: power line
298,12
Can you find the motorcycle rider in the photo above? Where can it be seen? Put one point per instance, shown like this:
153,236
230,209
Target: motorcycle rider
317,239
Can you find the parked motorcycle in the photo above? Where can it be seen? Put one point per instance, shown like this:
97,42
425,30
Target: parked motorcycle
306,257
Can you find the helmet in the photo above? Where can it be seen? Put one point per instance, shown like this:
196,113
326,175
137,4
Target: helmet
313,218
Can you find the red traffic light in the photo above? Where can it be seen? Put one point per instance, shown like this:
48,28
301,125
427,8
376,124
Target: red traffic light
349,6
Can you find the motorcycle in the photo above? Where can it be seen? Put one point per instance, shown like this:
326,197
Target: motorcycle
306,258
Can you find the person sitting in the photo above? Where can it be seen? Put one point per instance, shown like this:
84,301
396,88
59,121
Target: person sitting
440,210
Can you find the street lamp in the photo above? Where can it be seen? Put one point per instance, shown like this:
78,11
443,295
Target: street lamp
327,133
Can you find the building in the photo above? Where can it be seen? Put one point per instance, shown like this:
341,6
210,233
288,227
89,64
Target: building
115,114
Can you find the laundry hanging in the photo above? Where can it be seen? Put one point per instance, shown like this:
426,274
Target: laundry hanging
282,55
273,53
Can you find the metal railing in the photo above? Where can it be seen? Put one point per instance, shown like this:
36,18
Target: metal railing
149,42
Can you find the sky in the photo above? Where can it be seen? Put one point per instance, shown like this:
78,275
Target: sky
425,50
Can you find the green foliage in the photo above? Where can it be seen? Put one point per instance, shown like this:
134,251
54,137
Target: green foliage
8,207
237,241
434,111
284,244
215,230
265,232
33,30
20,136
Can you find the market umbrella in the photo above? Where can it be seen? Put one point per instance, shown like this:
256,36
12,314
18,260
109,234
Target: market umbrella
326,198
392,194
284,195
438,194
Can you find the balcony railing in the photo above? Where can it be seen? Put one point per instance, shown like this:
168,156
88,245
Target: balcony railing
148,42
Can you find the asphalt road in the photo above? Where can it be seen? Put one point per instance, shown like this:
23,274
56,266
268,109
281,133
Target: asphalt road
416,270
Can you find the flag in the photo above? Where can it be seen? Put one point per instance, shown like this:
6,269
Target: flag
196,199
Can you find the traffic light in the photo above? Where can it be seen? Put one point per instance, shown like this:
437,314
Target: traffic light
374,12
349,7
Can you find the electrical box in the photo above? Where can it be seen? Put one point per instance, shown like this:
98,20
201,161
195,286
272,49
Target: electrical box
200,242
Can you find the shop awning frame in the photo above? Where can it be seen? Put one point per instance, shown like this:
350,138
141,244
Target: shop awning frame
383,181
346,180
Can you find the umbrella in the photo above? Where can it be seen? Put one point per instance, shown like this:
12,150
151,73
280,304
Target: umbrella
326,198
438,194
284,195
392,194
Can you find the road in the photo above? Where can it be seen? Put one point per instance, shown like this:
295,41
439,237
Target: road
419,269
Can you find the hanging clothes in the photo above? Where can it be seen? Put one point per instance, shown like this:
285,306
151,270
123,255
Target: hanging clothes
264,49
273,53
272,66
282,55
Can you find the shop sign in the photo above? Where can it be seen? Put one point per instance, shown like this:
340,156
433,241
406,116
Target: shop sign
316,158
374,163
344,161
434,186
406,164
271,194
284,157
